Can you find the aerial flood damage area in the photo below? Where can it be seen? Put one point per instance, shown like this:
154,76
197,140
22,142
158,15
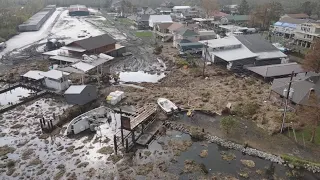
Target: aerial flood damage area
175,92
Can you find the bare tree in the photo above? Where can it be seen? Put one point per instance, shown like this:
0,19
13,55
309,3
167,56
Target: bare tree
264,14
210,6
310,113
312,59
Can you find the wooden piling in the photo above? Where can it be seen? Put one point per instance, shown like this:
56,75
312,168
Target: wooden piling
122,138
127,145
115,144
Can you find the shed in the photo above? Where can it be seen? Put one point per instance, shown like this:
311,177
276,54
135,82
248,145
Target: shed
80,94
156,19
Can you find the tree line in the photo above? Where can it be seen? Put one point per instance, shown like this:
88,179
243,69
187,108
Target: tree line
15,12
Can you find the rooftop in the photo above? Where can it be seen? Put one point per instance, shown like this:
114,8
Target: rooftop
181,7
145,17
75,89
302,83
256,43
36,18
94,42
54,74
290,20
187,32
276,69
164,25
234,54
160,18
216,43
33,75
175,26
83,66
65,59
298,16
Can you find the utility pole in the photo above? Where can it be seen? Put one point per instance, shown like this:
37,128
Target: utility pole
205,59
286,103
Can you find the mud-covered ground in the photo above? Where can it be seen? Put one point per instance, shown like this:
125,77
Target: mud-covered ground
28,46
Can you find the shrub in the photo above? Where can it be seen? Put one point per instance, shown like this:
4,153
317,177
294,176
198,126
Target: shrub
181,62
246,110
228,123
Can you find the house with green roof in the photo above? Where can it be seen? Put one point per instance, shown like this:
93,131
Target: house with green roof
235,19
186,34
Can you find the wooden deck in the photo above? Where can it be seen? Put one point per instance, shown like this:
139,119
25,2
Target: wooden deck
144,115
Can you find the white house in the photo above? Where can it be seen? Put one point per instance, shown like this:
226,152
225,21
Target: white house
305,33
287,26
157,19
181,9
229,51
55,79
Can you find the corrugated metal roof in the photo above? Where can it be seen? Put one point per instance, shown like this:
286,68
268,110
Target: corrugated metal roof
75,89
83,66
270,55
216,43
160,18
65,59
256,43
95,42
187,32
277,69
36,75
54,74
234,54
71,48
301,85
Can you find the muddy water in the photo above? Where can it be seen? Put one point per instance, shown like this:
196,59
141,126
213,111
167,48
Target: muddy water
215,164
14,95
140,76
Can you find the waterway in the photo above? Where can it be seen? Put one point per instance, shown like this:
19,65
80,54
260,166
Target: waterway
215,163
14,95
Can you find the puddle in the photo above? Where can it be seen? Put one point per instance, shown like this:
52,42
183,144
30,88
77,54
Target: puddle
140,76
14,95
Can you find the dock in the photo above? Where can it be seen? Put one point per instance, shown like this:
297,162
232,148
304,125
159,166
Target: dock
144,119
149,133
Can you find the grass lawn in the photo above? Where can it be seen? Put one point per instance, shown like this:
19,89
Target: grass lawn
125,21
307,135
144,34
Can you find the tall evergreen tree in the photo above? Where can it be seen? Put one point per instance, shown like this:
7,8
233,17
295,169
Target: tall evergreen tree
244,7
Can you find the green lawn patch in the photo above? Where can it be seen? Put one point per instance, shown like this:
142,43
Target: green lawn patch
125,21
307,132
144,34
298,162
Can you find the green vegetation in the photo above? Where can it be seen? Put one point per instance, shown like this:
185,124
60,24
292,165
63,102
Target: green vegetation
307,133
144,34
298,162
247,109
14,13
228,123
125,21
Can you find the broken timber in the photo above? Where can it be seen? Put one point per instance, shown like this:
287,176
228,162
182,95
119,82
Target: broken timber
143,119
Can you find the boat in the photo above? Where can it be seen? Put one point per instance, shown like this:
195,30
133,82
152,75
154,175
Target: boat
166,105
89,120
